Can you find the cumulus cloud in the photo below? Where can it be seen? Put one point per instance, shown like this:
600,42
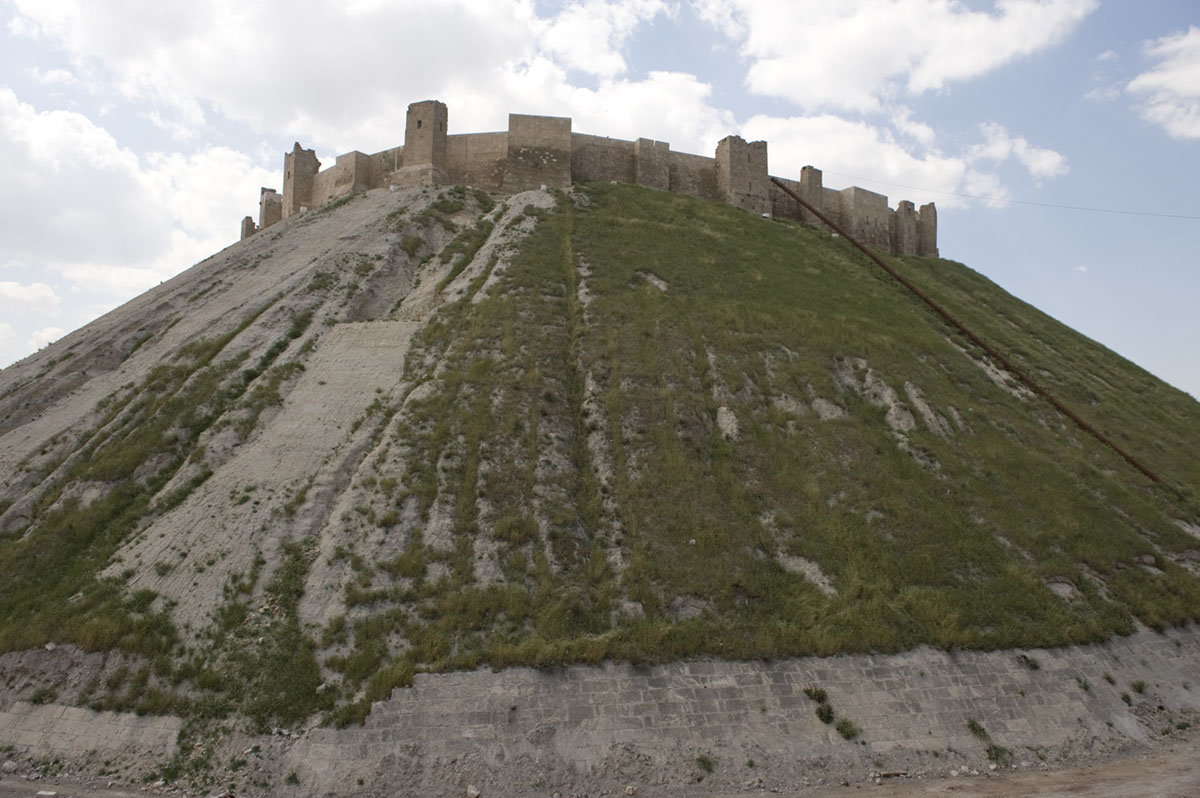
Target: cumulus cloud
999,145
860,54
42,337
6,333
81,204
986,187
36,297
1170,92
589,36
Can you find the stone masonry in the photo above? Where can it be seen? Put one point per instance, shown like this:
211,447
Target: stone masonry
539,151
598,727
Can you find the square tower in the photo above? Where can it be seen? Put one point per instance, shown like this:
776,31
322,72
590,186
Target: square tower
300,167
425,144
927,231
742,174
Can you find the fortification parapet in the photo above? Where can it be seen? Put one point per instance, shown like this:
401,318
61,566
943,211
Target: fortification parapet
248,228
539,151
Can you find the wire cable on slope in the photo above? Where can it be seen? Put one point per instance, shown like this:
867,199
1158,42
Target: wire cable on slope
1008,365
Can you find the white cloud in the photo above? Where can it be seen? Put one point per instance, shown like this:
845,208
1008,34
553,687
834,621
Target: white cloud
999,146
1171,90
80,204
47,335
859,54
36,297
919,131
48,77
1108,55
986,187
6,333
589,36
1080,269
1103,94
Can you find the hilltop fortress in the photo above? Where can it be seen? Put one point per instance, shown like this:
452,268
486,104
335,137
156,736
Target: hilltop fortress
543,152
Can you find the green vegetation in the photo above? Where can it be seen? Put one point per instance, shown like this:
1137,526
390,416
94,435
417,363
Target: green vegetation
554,486
924,544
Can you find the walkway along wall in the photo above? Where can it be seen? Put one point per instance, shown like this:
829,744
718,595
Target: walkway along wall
539,151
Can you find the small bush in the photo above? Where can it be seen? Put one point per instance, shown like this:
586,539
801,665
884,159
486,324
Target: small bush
816,694
976,728
1138,687
847,729
705,762
411,245
825,713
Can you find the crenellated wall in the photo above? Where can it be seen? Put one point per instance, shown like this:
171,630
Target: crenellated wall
539,151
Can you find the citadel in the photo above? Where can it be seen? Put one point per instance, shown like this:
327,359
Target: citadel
543,152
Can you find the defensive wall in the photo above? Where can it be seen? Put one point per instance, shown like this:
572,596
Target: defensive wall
543,151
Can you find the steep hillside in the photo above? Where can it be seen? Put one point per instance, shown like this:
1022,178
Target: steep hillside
420,431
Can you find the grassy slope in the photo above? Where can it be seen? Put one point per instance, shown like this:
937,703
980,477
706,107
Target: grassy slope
487,529
955,554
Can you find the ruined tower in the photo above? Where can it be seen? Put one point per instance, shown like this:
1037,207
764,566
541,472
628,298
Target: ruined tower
742,174
300,166
425,145
270,207
927,231
904,229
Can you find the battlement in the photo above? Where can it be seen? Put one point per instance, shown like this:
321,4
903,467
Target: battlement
544,152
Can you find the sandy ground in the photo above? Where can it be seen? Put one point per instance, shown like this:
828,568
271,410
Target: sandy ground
1170,773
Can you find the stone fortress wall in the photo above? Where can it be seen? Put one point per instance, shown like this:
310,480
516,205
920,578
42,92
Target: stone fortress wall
543,151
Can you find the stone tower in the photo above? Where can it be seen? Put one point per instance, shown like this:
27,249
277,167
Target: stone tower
904,229
927,231
742,174
300,166
425,144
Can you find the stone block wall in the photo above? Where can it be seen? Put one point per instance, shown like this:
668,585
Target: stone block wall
383,164
539,153
694,175
350,174
652,164
507,732
602,158
865,215
478,159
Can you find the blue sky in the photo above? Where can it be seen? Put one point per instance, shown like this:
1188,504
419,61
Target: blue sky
135,133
